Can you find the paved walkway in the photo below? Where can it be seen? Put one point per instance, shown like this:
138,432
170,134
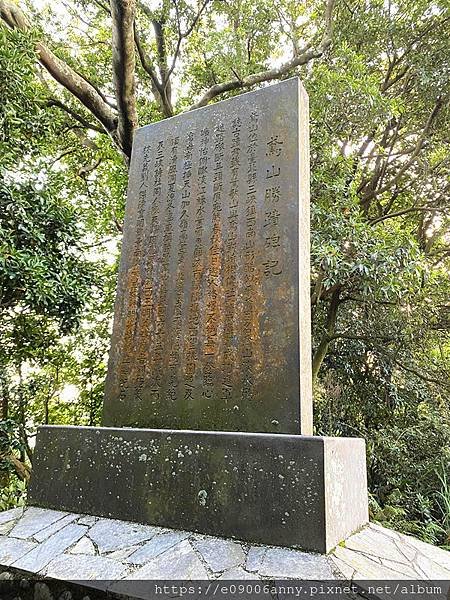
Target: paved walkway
79,547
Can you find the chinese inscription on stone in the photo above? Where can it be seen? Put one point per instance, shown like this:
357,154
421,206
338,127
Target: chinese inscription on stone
212,319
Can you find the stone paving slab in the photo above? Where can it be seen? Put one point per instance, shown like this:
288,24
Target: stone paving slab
220,554
6,528
380,553
12,549
42,535
111,535
84,546
86,568
8,516
179,562
157,545
285,564
53,547
34,520
81,547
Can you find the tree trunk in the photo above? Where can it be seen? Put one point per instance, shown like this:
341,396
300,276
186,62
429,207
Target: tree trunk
330,328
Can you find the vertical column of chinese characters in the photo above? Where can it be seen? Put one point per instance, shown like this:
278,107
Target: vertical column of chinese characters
159,350
155,216
145,305
127,359
249,259
183,222
230,261
214,265
197,269
272,265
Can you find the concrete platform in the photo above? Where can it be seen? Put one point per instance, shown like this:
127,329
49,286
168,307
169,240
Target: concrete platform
74,547
287,490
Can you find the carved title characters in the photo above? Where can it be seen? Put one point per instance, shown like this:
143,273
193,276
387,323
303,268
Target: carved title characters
273,266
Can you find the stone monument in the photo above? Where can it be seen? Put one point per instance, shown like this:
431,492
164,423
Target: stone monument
212,325
208,400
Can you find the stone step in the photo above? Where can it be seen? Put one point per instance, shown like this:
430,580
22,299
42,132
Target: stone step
118,554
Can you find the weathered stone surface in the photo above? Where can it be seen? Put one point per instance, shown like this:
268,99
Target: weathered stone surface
380,553
255,557
346,505
220,555
111,535
42,592
264,488
45,552
36,519
401,568
121,555
283,563
238,573
374,543
212,318
436,554
12,549
76,568
87,520
179,562
366,567
84,546
431,568
9,515
5,528
42,535
159,544
6,576
343,570
385,531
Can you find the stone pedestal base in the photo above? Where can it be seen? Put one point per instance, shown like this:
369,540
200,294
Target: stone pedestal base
286,490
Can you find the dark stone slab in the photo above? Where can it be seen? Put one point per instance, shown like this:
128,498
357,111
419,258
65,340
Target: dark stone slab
287,490
212,319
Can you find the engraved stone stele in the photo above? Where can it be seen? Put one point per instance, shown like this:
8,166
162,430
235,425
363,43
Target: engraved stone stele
209,379
212,317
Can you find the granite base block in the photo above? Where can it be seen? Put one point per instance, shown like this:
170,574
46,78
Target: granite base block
286,490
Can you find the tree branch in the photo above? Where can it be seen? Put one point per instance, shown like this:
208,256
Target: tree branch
157,89
330,326
57,103
362,338
410,210
158,28
12,15
145,62
122,13
305,56
187,33
439,382
440,102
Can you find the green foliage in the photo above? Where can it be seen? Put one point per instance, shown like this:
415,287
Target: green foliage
46,275
41,267
10,443
386,371
22,122
13,489
407,469
13,494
